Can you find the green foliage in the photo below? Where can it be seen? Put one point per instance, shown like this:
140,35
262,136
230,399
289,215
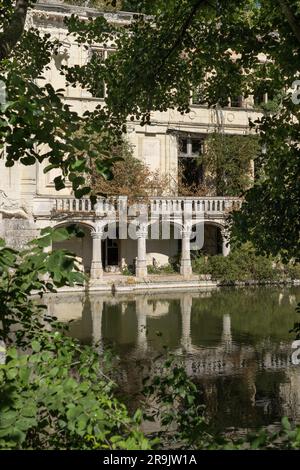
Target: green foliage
128,271
164,269
166,62
286,438
183,422
36,125
243,264
227,161
58,397
54,393
33,270
180,415
296,328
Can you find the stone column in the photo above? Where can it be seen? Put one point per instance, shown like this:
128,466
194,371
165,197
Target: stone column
141,262
225,243
96,266
185,263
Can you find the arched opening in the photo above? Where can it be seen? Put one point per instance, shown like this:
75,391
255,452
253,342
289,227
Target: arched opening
163,244
213,240
81,247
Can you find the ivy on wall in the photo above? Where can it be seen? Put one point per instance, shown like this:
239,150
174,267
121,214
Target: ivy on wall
227,161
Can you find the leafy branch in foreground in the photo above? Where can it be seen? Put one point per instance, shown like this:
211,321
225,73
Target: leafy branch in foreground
57,397
54,393
33,271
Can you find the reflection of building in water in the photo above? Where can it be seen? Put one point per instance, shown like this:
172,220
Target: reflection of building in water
285,295
226,335
141,314
186,303
65,307
96,311
226,358
73,308
290,394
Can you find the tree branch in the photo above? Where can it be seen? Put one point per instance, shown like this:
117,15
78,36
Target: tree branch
186,24
14,30
293,22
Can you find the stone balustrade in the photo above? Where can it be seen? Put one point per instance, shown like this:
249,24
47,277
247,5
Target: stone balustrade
69,204
170,205
197,204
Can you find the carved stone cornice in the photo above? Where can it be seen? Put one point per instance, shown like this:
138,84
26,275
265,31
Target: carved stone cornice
49,15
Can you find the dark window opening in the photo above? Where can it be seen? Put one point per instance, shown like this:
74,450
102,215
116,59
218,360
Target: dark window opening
191,171
236,101
190,168
112,252
260,97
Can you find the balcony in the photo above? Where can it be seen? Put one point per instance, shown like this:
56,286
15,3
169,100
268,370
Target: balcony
210,207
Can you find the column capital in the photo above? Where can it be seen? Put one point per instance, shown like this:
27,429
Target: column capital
98,231
142,232
186,231
97,235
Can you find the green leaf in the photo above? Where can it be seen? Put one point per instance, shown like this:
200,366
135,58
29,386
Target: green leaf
36,346
286,423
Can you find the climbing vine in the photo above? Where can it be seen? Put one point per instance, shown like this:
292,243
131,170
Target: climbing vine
227,161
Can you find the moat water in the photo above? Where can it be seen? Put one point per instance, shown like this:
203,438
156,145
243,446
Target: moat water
235,343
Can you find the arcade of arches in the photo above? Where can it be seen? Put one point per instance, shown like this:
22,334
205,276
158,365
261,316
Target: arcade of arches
101,254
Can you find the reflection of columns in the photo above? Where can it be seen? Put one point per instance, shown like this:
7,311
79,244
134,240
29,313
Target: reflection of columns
186,303
250,377
96,266
97,310
141,262
225,243
141,315
227,336
185,263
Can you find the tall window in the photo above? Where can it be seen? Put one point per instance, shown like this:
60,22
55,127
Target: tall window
190,161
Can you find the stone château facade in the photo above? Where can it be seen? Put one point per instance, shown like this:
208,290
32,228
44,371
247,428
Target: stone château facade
29,201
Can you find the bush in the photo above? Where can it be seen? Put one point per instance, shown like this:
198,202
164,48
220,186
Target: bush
241,264
58,397
292,271
128,271
165,269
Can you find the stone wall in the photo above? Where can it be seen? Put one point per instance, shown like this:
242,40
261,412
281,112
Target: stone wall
17,232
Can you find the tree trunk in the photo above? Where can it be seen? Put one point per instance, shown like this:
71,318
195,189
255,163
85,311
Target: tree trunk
14,30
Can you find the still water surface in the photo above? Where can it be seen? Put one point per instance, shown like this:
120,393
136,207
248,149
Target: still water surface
236,344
